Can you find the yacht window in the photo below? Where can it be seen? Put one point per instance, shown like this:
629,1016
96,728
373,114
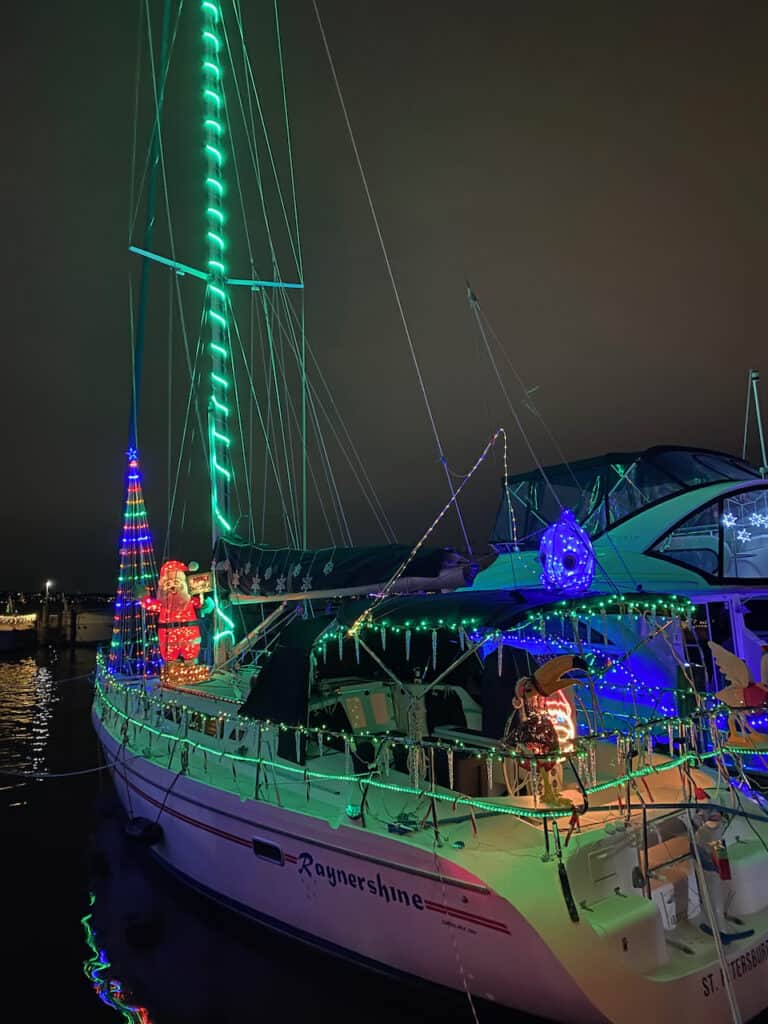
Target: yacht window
745,535
695,542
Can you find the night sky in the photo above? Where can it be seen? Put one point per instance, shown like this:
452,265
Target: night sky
597,171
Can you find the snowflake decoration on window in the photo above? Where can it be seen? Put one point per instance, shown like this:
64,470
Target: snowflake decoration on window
729,519
280,585
756,519
256,584
306,583
743,535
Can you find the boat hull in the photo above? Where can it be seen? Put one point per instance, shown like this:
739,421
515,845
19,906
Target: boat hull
365,897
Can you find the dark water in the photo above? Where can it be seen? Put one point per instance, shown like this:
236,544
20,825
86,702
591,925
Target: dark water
96,932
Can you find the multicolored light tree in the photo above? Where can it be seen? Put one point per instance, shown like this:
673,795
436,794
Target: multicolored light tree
134,650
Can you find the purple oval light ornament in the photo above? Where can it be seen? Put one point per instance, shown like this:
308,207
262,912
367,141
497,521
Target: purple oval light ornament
566,555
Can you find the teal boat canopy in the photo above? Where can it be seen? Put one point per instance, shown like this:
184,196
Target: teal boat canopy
605,490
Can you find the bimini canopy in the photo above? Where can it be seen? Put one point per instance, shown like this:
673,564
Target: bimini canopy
605,490
258,570
280,692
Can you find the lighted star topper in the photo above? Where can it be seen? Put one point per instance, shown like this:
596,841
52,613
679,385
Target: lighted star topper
566,556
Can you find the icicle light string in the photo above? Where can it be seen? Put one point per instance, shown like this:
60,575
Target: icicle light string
192,719
302,773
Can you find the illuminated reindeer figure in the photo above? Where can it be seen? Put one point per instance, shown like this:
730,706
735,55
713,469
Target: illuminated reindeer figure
743,694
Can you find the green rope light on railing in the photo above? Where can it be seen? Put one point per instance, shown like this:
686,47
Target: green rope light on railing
368,780
457,746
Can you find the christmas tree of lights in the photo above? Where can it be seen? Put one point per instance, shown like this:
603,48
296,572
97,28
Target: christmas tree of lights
134,650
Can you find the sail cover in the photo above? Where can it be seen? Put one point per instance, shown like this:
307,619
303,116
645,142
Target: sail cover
280,693
260,570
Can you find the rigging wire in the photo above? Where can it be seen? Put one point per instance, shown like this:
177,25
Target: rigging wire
252,85
169,421
483,322
271,459
132,212
348,446
254,158
396,292
475,307
300,268
345,446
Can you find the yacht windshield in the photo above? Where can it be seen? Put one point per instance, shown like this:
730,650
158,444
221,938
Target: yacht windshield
605,490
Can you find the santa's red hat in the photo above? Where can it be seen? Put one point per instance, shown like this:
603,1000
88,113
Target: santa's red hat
173,566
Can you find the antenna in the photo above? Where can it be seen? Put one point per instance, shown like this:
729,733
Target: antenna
752,382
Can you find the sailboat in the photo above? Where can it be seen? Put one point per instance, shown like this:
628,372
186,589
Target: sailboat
409,758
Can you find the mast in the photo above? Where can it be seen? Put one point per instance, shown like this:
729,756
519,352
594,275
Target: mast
217,304
134,646
752,382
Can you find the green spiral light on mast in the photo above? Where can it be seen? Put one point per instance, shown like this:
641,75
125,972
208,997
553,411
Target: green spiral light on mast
217,298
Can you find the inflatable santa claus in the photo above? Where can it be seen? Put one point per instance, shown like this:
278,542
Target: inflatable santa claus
178,630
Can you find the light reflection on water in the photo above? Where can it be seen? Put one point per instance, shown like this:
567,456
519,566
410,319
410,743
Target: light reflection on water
121,941
28,695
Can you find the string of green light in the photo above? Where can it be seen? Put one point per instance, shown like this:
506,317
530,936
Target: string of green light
217,299
368,780
640,730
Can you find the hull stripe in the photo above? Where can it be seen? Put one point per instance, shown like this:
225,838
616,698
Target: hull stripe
464,915
291,858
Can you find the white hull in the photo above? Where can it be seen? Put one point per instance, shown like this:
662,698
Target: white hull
390,904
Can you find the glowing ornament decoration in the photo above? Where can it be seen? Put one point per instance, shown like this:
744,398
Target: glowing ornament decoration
729,519
566,556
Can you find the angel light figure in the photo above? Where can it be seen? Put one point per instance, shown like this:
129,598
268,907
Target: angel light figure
742,695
